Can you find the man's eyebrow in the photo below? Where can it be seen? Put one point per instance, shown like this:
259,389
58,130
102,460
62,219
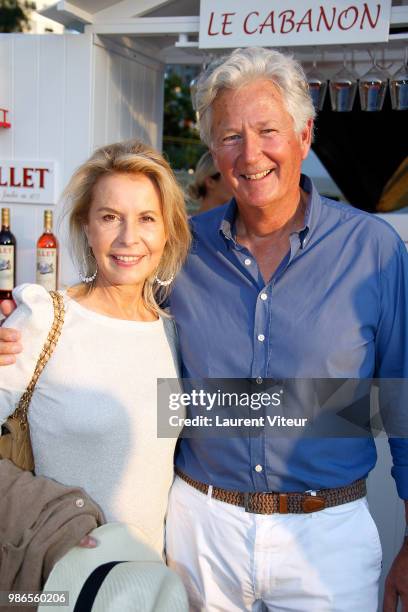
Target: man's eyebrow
261,123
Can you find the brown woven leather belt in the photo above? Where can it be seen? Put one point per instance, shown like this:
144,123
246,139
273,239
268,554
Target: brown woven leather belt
283,503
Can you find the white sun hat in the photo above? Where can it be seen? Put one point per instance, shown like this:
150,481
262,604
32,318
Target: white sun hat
122,574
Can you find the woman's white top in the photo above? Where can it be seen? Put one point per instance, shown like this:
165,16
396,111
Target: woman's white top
93,416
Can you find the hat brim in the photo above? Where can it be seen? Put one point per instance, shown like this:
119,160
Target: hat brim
142,582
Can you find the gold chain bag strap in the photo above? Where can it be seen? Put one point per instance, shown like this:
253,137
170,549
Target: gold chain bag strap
15,442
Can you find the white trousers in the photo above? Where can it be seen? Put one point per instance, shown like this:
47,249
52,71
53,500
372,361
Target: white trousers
230,560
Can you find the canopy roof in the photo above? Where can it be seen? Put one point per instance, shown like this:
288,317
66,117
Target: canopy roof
169,29
359,150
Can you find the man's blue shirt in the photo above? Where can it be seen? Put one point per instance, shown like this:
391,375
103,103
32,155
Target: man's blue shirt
336,307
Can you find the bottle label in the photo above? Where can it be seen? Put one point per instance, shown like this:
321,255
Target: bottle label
6,267
47,268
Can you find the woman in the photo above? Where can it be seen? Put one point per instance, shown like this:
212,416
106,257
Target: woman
208,188
93,414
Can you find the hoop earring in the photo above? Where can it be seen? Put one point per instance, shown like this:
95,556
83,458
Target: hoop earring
164,283
88,279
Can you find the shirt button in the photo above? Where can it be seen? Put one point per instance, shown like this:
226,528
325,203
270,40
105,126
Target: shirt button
259,380
264,296
258,468
79,502
261,337
247,261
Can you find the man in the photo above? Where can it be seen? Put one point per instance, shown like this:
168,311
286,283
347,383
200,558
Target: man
282,283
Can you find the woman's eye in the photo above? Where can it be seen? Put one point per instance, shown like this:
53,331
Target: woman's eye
109,218
147,218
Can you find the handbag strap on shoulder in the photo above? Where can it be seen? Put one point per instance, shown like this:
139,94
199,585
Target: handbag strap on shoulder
47,350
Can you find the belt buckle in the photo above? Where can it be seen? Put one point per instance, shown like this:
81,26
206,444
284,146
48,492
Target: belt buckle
312,503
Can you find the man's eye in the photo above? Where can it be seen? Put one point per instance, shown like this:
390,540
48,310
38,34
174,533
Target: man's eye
231,138
268,131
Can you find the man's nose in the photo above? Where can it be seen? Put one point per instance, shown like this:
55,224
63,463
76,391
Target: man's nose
251,148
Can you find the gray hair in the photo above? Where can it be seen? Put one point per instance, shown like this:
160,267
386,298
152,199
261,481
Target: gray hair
243,66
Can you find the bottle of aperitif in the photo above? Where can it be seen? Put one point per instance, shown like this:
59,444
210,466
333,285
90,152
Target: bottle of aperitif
47,256
8,248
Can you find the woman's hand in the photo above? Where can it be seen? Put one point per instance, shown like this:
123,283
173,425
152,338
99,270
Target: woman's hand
88,542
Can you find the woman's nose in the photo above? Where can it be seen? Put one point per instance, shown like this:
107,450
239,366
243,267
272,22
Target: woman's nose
130,233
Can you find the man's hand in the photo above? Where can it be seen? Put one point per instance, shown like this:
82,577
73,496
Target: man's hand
396,584
9,338
7,307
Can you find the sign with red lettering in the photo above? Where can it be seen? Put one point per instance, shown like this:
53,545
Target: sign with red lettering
228,23
27,182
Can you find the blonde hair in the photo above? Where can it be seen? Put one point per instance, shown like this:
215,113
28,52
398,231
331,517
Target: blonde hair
131,157
243,66
205,168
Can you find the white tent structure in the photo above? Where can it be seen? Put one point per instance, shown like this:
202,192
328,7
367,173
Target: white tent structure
68,94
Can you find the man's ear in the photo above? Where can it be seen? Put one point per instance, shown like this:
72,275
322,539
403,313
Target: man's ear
306,138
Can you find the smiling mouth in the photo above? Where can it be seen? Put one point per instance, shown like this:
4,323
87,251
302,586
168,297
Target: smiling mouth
258,176
127,259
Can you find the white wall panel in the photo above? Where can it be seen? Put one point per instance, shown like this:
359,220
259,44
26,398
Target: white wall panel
126,69
51,92
77,109
139,86
114,105
6,93
46,83
100,96
26,126
128,91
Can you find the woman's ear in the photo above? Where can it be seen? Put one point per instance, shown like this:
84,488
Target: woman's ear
86,231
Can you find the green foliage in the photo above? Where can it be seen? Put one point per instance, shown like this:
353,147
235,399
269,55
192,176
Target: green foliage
15,15
181,140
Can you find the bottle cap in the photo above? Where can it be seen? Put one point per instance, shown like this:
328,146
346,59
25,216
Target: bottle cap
48,219
5,216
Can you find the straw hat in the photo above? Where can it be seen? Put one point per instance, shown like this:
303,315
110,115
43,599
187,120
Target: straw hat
138,582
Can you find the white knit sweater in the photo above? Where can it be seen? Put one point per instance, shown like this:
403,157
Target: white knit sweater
93,415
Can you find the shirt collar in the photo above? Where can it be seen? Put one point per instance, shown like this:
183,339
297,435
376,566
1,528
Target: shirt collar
312,213
313,209
227,225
